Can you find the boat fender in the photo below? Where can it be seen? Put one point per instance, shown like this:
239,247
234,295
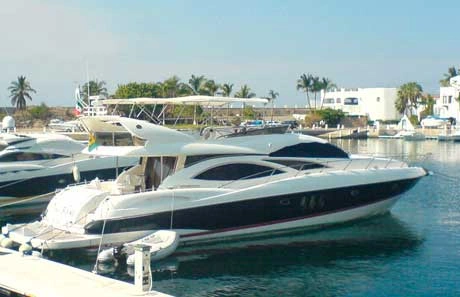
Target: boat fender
76,173
25,249
106,255
130,260
7,243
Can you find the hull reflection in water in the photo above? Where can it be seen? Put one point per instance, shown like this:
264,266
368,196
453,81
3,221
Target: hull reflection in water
383,236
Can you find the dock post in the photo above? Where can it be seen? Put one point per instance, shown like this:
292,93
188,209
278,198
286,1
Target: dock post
142,273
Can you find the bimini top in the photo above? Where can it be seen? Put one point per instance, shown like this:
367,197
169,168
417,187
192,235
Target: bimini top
119,136
186,100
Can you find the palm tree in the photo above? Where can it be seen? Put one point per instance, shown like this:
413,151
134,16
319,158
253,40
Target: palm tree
245,92
451,72
226,92
408,97
172,87
316,86
211,87
96,87
304,83
326,85
429,103
196,84
20,90
227,89
272,95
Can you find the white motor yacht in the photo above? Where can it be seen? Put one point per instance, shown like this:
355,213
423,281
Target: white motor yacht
215,190
32,165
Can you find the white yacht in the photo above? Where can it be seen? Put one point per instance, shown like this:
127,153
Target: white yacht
32,165
216,189
453,135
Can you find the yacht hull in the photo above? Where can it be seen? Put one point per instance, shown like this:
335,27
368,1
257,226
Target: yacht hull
257,212
30,195
248,218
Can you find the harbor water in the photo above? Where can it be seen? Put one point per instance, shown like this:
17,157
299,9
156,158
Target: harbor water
413,251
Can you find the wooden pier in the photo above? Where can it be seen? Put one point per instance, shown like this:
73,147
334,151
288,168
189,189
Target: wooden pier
22,275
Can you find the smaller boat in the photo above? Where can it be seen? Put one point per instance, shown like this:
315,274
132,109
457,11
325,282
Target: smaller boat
58,125
412,135
453,136
162,243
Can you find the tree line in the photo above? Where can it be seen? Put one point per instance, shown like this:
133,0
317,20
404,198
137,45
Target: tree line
409,96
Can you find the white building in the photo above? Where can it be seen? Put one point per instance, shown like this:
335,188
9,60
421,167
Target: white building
447,105
376,103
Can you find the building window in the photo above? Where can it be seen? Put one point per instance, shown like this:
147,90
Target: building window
378,99
329,101
450,100
351,101
444,99
237,171
338,100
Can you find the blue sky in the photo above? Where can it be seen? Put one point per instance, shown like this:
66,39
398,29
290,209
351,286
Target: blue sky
265,44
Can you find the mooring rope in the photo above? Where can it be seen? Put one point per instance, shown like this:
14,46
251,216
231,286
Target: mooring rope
26,200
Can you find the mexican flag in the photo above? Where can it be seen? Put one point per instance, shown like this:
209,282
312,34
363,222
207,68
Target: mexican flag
78,108
79,103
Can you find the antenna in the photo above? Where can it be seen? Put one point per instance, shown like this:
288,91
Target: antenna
87,79
6,110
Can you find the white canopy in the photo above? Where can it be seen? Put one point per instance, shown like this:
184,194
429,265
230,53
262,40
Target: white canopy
162,141
187,100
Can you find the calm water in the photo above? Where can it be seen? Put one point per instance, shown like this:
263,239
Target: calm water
414,251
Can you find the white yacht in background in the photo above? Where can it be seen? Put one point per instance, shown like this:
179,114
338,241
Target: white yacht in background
453,135
37,164
62,126
214,190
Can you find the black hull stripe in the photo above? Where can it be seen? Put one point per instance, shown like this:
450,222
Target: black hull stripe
45,184
284,220
258,212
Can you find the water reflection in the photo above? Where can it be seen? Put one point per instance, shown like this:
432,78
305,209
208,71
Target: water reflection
321,263
441,151
382,236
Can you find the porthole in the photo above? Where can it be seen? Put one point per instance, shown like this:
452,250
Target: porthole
138,126
285,202
303,202
312,203
354,193
321,202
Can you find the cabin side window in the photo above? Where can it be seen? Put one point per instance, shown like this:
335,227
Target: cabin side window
297,164
118,139
237,171
310,150
194,159
157,169
24,156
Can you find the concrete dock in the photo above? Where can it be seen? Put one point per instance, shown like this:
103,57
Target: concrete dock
34,276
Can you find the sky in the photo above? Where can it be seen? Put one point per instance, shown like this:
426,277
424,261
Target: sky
262,43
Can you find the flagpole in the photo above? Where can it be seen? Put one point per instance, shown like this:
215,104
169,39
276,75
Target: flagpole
87,79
